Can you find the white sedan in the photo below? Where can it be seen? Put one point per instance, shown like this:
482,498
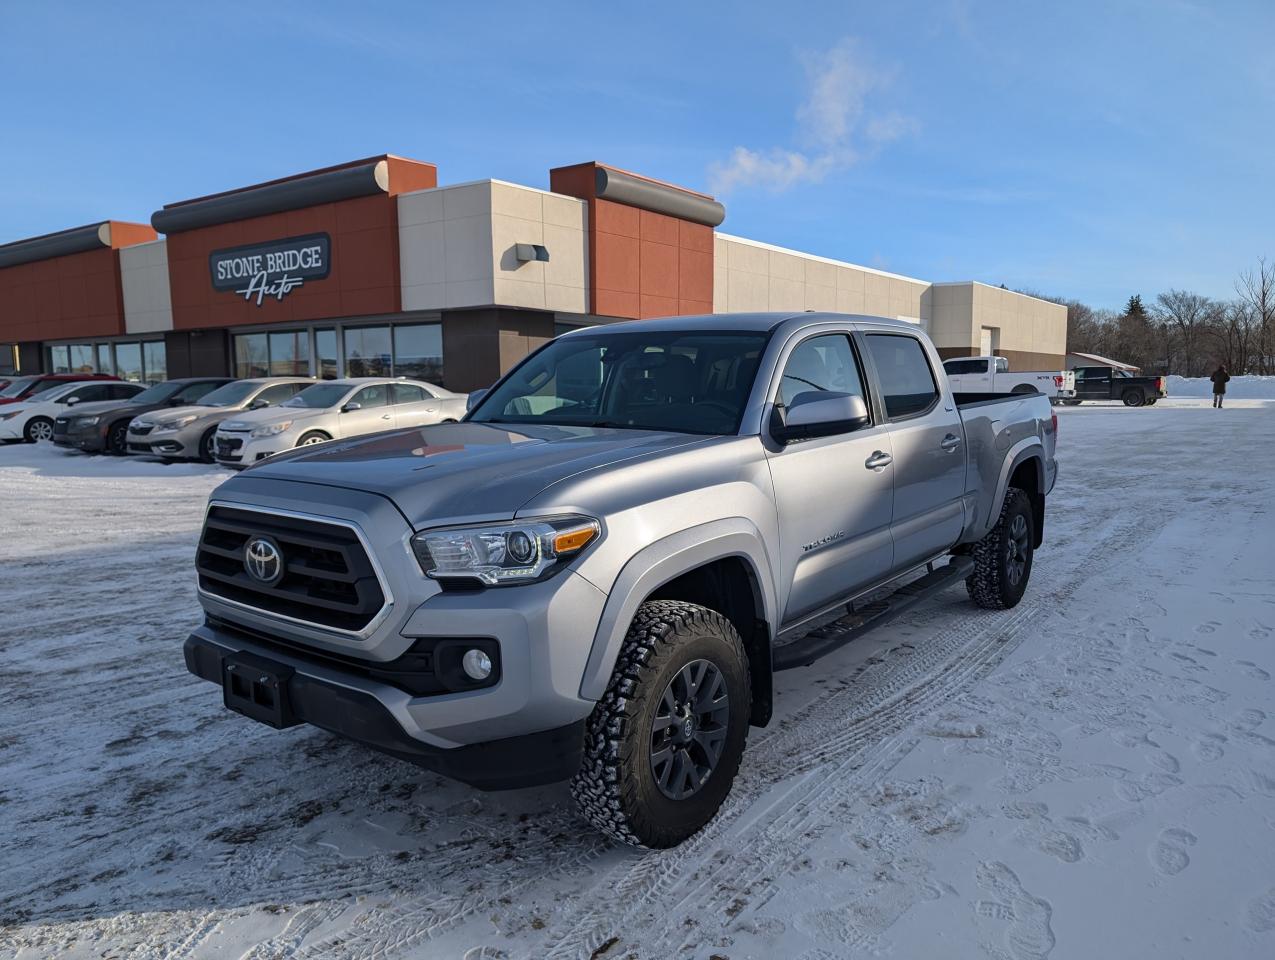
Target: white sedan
32,419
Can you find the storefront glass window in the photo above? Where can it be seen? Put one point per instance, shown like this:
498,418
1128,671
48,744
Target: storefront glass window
367,352
81,358
155,361
104,362
325,347
252,355
128,361
59,360
418,352
290,354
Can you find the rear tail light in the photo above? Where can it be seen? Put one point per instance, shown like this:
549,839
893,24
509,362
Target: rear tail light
1159,384
1054,417
1058,382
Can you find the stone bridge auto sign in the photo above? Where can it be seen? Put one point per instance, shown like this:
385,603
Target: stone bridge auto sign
271,270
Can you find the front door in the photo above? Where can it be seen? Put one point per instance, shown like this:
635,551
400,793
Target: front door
374,412
928,441
1093,383
835,494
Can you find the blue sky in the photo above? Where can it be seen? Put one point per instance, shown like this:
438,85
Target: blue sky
1086,150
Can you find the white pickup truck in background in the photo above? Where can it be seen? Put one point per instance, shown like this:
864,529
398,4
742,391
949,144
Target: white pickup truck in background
992,375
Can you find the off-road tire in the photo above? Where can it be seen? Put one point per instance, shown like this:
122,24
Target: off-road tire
1133,398
615,788
990,584
37,429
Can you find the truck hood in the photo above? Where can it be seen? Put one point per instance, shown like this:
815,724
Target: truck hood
465,471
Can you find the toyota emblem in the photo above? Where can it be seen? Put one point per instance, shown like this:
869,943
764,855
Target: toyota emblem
263,561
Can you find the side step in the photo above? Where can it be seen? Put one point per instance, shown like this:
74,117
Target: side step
821,641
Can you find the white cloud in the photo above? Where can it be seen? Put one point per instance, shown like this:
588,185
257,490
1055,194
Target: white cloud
836,127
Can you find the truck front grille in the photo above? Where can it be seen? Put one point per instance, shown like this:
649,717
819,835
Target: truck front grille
327,577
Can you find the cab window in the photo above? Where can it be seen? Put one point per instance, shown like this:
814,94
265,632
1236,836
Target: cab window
906,381
823,363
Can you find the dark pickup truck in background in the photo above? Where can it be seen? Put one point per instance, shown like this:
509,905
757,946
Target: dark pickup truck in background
1109,383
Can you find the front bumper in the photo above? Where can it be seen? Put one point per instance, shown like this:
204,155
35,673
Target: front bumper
176,444
92,439
322,697
242,450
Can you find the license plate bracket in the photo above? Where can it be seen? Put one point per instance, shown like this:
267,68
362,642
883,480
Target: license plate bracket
257,687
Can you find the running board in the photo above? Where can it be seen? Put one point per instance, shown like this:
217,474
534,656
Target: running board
821,641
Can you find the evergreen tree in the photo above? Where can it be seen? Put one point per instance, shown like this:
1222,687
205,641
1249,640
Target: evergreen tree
1134,308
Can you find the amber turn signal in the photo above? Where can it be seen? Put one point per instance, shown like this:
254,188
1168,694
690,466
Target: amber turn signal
571,541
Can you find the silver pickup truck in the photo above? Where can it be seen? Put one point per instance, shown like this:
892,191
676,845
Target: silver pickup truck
595,575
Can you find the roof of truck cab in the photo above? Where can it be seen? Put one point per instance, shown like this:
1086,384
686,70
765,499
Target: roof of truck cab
743,322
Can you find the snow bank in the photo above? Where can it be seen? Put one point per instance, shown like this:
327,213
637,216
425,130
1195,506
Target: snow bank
1245,387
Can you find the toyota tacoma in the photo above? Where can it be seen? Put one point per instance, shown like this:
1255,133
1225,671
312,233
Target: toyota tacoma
596,573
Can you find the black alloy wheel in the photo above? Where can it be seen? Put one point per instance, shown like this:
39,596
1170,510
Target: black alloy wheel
688,731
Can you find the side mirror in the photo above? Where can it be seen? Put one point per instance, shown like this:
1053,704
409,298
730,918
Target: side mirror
351,407
819,413
71,401
474,397
258,404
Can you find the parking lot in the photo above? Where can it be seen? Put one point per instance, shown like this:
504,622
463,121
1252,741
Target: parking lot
1089,774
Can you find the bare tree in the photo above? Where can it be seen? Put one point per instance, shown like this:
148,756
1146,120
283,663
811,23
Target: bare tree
1187,317
1257,291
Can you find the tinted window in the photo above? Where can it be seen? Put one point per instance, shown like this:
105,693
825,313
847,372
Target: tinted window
123,391
41,385
367,352
275,395
90,394
818,364
959,367
230,395
16,387
195,391
681,380
408,393
377,396
320,396
418,352
907,384
1002,365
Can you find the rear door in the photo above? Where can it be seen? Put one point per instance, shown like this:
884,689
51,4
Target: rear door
928,442
374,412
834,495
413,405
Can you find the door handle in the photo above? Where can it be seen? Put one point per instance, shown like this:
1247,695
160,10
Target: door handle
878,460
950,442
385,416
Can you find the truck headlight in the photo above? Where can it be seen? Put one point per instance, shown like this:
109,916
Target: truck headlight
499,554
272,429
174,425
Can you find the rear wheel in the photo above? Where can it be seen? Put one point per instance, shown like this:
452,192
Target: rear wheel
663,745
1003,558
313,437
1133,398
117,439
37,429
1151,401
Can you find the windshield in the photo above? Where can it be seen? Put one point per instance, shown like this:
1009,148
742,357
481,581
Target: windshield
15,388
156,394
231,395
318,397
685,381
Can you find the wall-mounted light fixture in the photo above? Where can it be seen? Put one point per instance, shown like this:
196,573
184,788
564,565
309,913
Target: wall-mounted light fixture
526,252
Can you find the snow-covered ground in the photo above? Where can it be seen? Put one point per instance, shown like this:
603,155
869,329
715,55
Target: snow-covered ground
1245,387
1089,775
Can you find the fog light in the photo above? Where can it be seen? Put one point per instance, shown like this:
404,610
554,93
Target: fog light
477,665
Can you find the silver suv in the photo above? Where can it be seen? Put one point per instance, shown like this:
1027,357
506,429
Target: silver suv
334,410
186,433
595,575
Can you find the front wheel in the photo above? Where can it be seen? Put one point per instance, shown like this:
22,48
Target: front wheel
663,745
1133,398
37,429
313,437
208,446
117,439
1003,558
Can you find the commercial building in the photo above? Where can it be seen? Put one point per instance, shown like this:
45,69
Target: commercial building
371,268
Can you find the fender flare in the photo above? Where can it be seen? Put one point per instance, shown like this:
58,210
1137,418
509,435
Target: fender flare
658,563
1029,448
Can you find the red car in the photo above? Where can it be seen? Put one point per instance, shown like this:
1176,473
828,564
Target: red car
20,388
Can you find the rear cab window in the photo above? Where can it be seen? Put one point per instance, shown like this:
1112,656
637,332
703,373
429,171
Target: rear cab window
907,384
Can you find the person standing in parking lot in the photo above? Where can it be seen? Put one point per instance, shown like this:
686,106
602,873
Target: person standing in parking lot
1219,378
